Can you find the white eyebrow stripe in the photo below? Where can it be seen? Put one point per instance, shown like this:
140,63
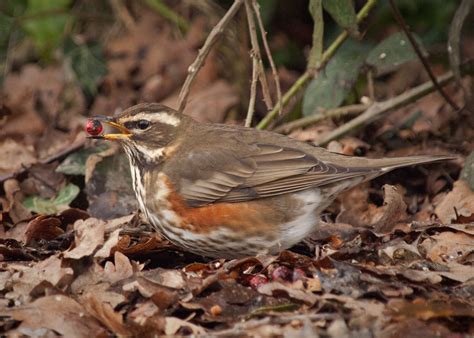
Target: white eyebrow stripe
163,117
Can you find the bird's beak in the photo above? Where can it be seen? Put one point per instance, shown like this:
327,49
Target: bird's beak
111,121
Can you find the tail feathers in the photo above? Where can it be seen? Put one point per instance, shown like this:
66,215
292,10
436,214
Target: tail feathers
387,164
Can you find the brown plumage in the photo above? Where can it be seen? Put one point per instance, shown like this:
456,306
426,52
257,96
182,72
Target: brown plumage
228,191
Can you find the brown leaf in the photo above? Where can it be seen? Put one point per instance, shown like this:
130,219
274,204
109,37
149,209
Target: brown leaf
15,155
459,202
394,209
109,245
276,288
121,269
14,196
105,314
43,227
43,180
173,325
31,280
448,246
59,313
102,292
89,236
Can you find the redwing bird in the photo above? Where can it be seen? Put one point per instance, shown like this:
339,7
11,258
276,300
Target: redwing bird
228,191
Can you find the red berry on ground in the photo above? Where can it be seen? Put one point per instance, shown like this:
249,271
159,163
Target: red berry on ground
298,274
281,273
258,280
94,127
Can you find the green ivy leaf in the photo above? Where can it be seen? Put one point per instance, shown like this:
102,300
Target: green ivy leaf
44,22
343,12
51,206
392,52
333,84
75,164
88,64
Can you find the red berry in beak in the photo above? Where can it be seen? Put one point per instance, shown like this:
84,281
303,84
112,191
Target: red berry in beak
94,127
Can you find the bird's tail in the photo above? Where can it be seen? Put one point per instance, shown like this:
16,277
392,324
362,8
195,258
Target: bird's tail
387,164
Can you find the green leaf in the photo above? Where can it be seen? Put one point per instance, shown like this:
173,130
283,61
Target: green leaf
88,64
333,84
467,173
75,164
392,52
50,206
44,21
316,53
6,24
343,12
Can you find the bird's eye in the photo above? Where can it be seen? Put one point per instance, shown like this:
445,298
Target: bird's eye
143,124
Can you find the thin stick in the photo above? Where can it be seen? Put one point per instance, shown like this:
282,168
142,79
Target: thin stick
258,56
330,113
255,72
370,85
306,76
379,109
276,78
204,52
414,44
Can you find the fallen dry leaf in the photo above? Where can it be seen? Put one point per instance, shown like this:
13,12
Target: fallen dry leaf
59,313
447,246
30,281
394,209
173,325
105,314
459,202
274,288
14,156
88,237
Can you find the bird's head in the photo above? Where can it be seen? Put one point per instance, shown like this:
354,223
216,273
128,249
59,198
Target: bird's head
144,130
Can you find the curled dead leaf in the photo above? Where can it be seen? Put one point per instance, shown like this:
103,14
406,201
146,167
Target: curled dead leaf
458,202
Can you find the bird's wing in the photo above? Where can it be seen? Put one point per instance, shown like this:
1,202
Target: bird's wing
261,170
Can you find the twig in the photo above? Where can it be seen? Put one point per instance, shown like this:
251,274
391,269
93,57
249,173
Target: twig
169,14
256,9
370,85
255,75
253,92
414,44
258,56
330,113
204,52
377,110
306,76
123,14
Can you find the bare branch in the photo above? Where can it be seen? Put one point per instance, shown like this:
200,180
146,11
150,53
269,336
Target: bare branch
255,68
379,109
414,44
330,113
256,8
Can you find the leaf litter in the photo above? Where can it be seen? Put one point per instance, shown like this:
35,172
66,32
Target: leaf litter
84,263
